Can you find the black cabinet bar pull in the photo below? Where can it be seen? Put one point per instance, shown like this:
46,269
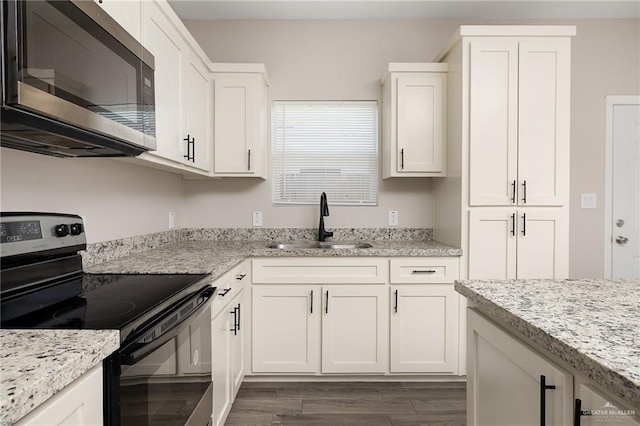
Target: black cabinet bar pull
311,309
513,187
238,317
191,149
543,399
249,160
577,412
426,271
513,224
326,306
241,276
395,302
402,159
524,224
224,292
235,323
524,192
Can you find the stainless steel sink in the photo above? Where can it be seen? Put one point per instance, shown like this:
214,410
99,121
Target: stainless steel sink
317,245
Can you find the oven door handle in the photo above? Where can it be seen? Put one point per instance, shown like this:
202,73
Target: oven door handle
140,348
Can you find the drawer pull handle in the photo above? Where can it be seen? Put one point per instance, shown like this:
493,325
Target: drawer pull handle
224,292
395,302
326,306
311,309
241,276
427,271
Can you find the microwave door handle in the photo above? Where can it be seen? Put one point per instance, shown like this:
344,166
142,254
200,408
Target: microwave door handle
135,351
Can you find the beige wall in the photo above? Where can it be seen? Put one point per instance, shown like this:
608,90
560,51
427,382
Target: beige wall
326,60
345,59
116,199
318,60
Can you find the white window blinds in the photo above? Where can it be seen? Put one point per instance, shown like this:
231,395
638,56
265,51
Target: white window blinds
325,146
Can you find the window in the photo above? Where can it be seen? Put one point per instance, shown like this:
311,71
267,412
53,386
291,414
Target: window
325,146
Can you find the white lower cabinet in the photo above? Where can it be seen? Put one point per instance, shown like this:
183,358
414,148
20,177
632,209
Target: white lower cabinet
286,329
228,335
518,243
509,383
596,408
319,329
335,316
355,326
424,329
79,404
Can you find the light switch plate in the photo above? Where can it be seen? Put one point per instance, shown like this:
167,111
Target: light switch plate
393,217
589,201
172,220
257,218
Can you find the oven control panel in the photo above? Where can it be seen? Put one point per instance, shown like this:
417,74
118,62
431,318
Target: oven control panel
24,233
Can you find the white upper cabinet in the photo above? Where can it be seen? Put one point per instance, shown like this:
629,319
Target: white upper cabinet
183,94
165,43
414,115
197,115
126,13
519,121
240,120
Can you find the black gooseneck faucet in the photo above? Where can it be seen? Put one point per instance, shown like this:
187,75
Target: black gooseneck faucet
324,211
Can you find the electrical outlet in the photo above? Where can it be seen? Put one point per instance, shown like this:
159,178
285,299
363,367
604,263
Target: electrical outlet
257,218
393,218
172,220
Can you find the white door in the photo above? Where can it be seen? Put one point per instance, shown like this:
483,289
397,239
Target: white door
424,329
163,40
198,114
543,244
492,243
543,121
355,329
234,128
221,366
286,329
420,126
237,344
505,378
493,122
624,222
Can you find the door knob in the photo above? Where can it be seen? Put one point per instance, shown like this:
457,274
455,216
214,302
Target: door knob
621,240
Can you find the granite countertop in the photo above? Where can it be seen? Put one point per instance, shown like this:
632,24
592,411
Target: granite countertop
593,325
36,364
217,257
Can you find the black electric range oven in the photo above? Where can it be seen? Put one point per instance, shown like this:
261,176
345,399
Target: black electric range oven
161,375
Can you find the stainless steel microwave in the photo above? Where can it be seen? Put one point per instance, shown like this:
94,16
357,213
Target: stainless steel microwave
74,82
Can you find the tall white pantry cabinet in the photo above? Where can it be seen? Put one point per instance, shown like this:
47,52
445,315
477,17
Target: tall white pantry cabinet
508,143
508,120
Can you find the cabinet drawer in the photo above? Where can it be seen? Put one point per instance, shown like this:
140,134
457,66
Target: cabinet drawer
424,270
321,271
229,285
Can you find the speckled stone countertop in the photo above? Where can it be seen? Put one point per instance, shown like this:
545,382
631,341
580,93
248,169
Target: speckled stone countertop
217,257
593,325
36,364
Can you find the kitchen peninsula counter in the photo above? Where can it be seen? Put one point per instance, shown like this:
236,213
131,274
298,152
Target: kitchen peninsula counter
591,325
37,364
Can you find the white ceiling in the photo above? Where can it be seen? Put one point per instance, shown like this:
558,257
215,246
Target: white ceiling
401,9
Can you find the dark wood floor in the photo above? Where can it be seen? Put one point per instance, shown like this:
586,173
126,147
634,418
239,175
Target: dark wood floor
343,403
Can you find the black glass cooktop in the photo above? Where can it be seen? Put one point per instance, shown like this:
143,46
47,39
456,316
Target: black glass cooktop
110,301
